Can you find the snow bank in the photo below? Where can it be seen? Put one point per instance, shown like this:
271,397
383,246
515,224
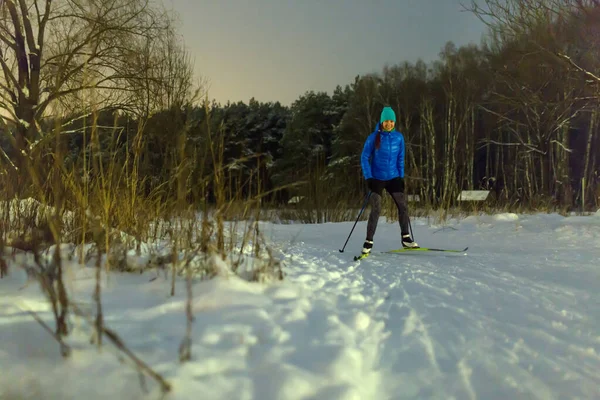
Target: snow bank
26,208
505,217
490,220
250,341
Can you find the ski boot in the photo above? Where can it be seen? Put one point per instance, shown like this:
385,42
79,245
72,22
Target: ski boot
408,242
367,246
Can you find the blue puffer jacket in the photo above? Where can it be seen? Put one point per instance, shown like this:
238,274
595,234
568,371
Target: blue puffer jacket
384,163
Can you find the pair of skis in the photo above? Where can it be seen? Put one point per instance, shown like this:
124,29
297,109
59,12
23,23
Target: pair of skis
411,249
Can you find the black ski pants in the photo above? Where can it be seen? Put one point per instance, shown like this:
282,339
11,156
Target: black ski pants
395,187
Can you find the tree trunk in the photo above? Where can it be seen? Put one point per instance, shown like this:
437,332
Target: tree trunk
587,171
447,151
429,122
470,149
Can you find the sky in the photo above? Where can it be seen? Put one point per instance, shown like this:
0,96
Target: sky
276,50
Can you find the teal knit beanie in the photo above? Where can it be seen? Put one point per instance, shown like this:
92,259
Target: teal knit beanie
387,115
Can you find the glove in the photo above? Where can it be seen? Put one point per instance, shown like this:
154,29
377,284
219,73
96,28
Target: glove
401,184
370,182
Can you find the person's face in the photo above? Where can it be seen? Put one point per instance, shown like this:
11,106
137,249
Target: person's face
388,125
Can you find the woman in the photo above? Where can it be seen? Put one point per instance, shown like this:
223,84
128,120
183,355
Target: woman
382,163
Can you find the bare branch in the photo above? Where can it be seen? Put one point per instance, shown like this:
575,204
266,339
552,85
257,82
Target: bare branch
594,77
9,160
119,344
28,29
527,146
9,41
65,350
10,77
562,146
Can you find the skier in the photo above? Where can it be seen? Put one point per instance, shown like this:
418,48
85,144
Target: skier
382,163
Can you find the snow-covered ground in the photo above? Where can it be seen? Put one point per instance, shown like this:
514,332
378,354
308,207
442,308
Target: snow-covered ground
518,317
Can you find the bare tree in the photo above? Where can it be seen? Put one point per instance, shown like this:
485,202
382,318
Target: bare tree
458,76
428,135
62,56
546,75
512,20
165,78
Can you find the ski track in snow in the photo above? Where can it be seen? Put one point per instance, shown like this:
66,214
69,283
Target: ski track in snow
513,323
516,318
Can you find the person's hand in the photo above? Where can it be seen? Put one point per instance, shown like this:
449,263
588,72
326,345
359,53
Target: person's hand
402,185
370,184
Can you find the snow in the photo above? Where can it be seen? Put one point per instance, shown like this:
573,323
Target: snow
517,317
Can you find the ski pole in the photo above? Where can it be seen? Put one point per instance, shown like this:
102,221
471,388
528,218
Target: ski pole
412,235
357,218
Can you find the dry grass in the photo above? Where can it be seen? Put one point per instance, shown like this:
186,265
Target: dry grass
339,209
102,206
